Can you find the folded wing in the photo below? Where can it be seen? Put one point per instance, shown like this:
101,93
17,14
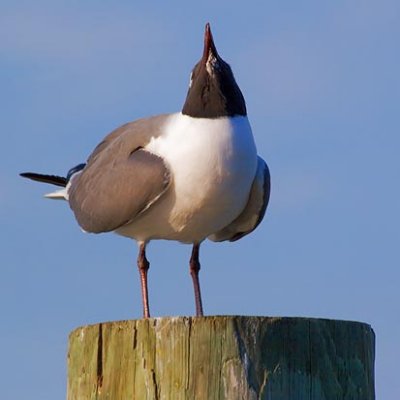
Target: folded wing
254,211
120,181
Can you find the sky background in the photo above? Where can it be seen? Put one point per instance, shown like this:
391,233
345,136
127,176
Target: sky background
322,85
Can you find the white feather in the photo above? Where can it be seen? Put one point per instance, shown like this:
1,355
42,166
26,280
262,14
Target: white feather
63,193
57,195
213,164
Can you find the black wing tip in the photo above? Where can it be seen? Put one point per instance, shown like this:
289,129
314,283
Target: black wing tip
29,175
51,179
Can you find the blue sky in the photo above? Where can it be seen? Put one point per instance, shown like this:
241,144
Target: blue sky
321,81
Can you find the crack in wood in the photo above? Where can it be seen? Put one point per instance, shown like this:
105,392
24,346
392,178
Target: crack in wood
134,337
100,359
189,353
156,393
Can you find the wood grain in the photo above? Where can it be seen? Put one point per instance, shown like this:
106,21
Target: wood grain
224,357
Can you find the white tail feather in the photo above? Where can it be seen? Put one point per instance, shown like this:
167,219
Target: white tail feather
57,195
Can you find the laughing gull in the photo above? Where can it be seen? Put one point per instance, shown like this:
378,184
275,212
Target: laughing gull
186,176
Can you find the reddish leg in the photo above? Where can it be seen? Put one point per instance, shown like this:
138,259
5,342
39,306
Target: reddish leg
194,272
143,266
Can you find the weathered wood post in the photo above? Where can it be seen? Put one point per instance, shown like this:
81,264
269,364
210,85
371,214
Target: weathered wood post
215,358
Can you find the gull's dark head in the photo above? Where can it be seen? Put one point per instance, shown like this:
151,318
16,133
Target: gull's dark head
213,91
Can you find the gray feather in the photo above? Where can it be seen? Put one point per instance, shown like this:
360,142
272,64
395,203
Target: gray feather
120,180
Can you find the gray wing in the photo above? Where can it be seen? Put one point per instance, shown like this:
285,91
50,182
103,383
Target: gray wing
254,211
136,133
120,180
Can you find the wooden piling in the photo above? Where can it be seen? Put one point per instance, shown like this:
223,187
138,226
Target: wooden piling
224,357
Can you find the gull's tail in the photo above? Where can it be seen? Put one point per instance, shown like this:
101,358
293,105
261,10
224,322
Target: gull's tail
52,179
55,180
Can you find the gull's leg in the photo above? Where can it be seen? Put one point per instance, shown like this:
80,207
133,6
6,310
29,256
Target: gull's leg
143,266
194,272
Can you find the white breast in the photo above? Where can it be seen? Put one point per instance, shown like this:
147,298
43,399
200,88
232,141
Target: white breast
212,163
